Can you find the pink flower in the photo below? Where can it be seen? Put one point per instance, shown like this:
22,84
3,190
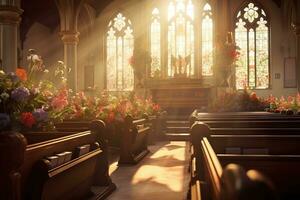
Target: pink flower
59,103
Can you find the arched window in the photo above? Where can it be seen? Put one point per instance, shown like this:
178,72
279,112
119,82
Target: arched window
181,38
155,44
252,36
207,41
120,44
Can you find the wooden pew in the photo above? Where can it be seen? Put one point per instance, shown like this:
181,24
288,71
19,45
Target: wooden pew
255,131
268,154
36,136
73,125
248,123
231,181
61,129
12,150
283,170
256,144
83,176
133,137
134,142
242,115
253,124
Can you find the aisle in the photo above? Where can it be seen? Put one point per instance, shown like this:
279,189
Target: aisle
161,175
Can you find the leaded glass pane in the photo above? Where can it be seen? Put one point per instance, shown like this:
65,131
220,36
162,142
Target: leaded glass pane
111,60
181,38
251,54
207,42
155,44
242,64
262,54
120,43
252,36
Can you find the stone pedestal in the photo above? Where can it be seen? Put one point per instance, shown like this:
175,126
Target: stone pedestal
9,22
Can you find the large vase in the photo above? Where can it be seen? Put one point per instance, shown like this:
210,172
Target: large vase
227,76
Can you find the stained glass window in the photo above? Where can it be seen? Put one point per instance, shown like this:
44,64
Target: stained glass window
120,43
252,36
181,38
155,44
207,41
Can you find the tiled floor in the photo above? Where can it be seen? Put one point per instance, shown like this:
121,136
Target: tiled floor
162,175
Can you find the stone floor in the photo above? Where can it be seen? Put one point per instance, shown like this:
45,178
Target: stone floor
163,174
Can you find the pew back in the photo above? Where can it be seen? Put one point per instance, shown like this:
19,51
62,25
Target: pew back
256,144
37,137
254,124
36,152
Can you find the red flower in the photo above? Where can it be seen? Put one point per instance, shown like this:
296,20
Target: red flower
21,73
156,107
131,61
111,117
253,96
27,119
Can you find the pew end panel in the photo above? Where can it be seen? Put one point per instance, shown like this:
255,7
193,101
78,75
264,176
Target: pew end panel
134,142
12,149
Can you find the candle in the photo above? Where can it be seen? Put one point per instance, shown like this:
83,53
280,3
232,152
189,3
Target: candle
229,38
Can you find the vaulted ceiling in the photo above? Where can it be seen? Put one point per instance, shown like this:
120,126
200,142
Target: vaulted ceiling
45,12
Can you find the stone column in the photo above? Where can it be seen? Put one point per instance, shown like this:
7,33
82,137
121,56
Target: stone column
70,40
69,11
296,28
9,22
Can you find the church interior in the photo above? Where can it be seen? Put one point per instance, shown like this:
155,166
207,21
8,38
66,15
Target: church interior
149,99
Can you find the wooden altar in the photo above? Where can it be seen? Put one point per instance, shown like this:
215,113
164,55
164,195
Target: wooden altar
180,95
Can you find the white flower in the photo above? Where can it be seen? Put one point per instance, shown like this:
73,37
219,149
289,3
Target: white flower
60,62
4,96
63,79
34,58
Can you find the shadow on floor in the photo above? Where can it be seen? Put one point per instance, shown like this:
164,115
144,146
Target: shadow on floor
171,147
171,161
160,176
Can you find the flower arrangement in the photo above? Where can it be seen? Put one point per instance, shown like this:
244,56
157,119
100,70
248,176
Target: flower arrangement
110,108
226,55
238,101
139,61
27,103
288,105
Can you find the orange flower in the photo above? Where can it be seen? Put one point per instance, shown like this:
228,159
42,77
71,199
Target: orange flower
22,74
